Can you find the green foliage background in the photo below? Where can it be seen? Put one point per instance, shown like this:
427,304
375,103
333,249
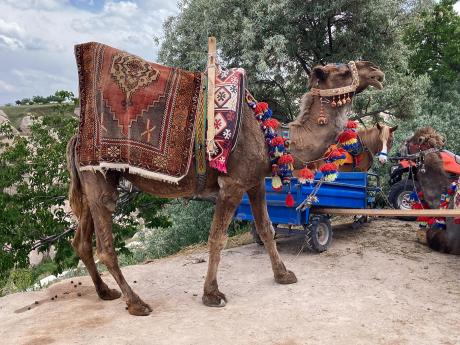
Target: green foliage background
416,43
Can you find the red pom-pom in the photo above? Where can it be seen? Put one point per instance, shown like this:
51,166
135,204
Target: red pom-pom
261,107
417,206
306,174
277,141
289,200
328,167
272,123
286,159
347,135
352,124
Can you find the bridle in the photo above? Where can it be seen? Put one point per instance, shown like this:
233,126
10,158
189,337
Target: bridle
340,96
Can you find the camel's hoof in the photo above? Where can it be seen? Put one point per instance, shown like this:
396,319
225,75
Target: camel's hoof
139,308
109,294
214,299
287,277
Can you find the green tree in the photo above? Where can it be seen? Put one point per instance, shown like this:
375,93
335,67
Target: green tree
435,40
33,191
278,42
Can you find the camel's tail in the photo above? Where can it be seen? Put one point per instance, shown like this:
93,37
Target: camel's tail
75,190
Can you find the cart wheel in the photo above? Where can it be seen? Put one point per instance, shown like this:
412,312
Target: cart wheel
318,234
256,236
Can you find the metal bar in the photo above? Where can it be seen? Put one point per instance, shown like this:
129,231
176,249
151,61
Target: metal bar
386,212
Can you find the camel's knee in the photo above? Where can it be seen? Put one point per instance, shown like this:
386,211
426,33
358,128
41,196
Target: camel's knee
218,242
108,257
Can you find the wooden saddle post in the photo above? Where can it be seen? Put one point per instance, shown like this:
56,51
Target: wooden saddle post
211,70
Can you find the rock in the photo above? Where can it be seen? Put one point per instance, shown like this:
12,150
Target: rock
26,122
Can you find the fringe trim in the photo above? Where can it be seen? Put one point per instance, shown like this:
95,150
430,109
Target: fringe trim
104,166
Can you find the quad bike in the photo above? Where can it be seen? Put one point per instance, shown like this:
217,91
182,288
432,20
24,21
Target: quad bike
403,178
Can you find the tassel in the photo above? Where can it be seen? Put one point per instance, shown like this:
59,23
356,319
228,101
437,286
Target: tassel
329,171
289,200
260,108
272,123
286,159
352,124
277,141
276,183
306,175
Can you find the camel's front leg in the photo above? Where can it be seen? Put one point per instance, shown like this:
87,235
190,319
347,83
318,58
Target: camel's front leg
264,229
229,198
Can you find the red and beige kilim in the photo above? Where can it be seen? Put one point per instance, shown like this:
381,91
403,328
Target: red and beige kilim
228,104
135,115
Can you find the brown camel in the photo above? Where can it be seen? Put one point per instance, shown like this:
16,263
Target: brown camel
377,140
93,196
434,181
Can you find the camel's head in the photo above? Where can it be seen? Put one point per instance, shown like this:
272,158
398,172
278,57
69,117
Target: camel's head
332,76
425,138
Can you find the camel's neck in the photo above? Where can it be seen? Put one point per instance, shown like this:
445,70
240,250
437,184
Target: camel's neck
309,140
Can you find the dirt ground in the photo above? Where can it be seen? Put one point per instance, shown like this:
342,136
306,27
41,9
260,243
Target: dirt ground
375,285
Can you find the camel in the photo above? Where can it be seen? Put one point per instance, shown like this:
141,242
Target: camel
377,140
93,195
434,181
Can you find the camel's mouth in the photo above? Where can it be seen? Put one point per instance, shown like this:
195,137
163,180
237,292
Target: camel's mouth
376,79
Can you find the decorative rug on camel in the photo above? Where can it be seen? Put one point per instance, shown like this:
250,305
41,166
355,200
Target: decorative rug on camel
135,115
228,102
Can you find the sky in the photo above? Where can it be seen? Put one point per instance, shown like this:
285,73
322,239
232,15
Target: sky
37,39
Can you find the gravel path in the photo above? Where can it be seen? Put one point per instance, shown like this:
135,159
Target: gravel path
375,285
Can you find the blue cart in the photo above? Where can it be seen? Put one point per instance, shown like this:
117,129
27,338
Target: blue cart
351,190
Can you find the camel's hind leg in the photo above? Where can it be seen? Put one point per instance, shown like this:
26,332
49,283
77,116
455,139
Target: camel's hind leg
264,226
229,197
101,194
82,243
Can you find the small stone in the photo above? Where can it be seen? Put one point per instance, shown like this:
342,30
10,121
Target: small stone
52,298
71,282
55,296
425,267
36,302
79,283
75,285
28,308
195,294
135,281
126,308
79,294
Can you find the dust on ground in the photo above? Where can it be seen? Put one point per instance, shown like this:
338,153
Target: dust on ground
375,285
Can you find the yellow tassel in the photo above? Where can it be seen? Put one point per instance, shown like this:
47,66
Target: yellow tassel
276,183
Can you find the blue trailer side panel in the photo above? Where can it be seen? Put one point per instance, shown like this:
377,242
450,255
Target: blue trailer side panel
349,190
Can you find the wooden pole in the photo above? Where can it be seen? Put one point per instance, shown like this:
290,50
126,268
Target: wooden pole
387,212
211,146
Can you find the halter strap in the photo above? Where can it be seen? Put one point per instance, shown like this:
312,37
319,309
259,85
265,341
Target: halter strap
340,90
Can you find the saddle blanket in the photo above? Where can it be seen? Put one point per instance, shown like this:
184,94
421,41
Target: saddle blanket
135,115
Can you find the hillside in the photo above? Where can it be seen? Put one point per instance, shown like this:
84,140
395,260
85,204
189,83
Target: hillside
17,113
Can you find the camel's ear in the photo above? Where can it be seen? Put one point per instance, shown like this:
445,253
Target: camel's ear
379,126
392,129
320,73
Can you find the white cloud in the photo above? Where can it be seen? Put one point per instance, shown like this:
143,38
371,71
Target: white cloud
37,39
122,8
4,86
457,7
10,42
11,28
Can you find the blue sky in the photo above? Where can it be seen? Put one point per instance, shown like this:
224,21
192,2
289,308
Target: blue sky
37,38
